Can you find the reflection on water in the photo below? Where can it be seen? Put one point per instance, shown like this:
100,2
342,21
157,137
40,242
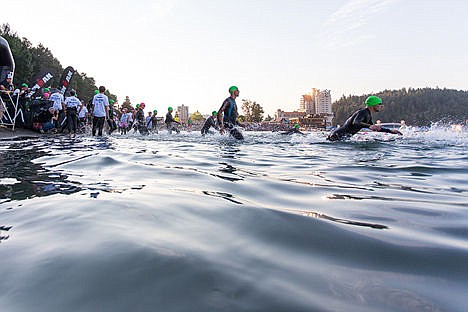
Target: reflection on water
190,223
31,179
5,229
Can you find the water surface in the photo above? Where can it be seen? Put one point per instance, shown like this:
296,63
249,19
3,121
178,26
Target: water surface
274,223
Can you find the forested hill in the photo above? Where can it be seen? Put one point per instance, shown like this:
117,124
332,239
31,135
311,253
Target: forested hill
416,106
33,61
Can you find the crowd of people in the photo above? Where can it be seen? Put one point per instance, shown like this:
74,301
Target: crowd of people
74,115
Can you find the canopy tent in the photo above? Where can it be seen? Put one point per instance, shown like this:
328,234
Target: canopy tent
9,108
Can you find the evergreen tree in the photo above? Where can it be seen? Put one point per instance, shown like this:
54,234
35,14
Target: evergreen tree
127,104
32,63
418,107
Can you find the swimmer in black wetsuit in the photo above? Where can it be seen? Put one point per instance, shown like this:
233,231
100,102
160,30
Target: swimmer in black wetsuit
227,115
293,130
361,119
170,121
140,120
210,122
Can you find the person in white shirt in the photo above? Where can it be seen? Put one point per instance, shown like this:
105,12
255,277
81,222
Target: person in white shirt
130,120
57,98
71,105
82,112
123,123
149,121
82,116
100,110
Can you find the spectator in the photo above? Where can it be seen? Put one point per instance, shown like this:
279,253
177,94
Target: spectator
7,84
100,110
58,106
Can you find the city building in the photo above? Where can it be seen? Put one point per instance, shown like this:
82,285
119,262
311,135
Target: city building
287,116
317,104
183,112
323,102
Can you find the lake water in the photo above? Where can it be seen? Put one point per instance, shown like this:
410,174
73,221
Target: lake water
273,223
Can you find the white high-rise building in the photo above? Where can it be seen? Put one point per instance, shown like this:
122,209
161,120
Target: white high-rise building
183,113
316,102
323,104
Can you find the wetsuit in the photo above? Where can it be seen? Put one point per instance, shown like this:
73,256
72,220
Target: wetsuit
359,120
154,123
140,118
169,123
230,117
111,122
209,122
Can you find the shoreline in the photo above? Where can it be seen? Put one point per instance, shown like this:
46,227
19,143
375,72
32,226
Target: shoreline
8,133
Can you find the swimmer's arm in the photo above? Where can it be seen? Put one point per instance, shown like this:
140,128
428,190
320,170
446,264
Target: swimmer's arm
220,115
393,131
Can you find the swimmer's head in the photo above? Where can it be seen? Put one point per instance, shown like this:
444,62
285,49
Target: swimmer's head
373,101
233,89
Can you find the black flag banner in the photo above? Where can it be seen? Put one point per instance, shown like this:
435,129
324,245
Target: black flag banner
65,79
40,82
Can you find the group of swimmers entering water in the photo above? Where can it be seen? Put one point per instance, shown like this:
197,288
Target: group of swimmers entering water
357,121
225,120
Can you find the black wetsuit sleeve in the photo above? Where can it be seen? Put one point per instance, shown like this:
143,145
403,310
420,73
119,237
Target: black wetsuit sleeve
385,130
169,118
221,111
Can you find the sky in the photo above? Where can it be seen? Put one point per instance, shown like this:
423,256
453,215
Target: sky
173,52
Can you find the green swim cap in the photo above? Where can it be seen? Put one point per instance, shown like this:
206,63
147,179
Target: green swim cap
96,92
137,106
373,100
111,101
24,85
155,112
46,89
169,108
232,89
296,126
214,112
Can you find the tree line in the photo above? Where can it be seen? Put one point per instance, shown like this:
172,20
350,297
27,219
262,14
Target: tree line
33,61
418,107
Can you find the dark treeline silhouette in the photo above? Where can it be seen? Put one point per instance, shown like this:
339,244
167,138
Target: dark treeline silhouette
418,107
32,62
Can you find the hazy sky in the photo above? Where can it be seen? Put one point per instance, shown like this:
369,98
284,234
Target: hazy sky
172,52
